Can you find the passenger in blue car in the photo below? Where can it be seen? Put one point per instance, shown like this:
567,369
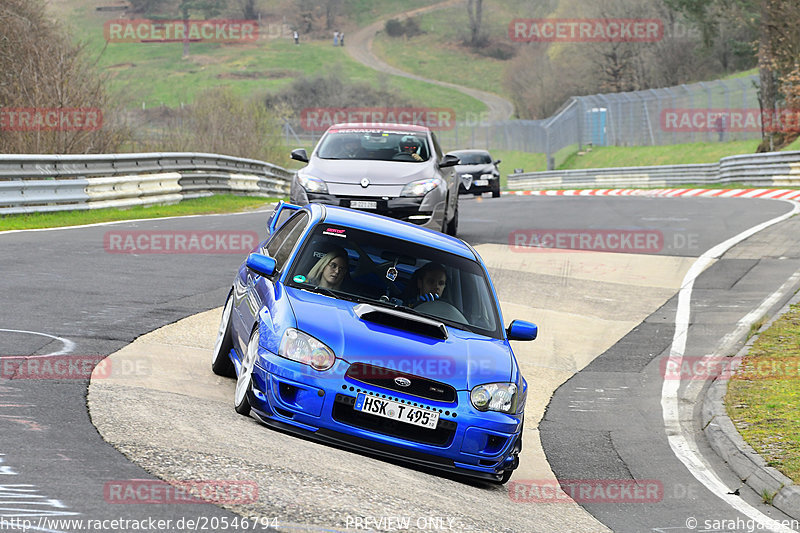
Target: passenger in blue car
428,284
330,271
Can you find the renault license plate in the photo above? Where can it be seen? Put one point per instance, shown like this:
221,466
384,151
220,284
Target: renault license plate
363,204
396,411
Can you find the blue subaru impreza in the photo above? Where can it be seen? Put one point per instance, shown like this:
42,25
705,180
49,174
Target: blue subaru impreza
378,336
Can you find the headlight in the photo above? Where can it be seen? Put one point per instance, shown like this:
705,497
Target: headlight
312,184
500,397
304,348
487,176
420,187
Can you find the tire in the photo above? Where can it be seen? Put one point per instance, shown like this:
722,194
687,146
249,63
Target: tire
221,363
244,382
496,192
452,226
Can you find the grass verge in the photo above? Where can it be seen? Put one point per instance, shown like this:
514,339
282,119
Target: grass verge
643,156
222,203
763,398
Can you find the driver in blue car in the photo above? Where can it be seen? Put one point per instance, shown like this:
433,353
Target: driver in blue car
430,281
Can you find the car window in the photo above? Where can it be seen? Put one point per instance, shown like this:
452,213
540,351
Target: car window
374,144
388,271
475,159
282,244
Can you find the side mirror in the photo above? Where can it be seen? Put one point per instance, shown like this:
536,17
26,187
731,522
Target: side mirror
520,330
263,265
448,161
300,154
497,162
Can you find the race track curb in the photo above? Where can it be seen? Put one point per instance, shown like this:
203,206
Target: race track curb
726,440
771,194
722,435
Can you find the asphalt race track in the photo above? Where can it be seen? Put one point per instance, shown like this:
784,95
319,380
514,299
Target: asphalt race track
606,319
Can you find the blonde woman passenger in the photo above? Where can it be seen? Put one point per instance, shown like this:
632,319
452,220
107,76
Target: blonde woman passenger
330,271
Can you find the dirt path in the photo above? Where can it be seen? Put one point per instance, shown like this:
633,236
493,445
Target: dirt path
359,46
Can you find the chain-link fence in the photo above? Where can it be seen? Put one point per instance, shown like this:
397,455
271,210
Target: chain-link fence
716,111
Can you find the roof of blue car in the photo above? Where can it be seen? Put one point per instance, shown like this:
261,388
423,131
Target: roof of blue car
392,227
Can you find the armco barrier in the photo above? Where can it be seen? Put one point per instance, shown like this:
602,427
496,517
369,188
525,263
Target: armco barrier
38,183
762,170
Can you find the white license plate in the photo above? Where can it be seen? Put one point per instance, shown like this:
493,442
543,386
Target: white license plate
396,411
481,183
362,204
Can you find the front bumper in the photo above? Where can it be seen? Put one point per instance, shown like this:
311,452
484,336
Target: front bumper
427,211
319,405
492,185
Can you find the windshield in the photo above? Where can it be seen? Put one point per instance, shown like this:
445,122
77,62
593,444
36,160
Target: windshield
362,266
374,144
474,159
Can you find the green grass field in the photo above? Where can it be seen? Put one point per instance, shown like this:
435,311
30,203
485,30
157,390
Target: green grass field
677,154
155,74
763,398
437,54
198,206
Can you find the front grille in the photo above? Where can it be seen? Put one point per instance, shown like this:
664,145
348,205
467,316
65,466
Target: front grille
344,412
385,378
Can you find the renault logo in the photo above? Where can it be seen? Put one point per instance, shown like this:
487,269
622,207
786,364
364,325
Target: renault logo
365,183
403,382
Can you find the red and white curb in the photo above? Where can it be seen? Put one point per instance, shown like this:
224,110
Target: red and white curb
783,194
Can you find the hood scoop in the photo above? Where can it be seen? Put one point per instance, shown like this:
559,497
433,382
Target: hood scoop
394,318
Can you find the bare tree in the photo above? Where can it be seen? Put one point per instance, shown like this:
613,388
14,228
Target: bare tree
248,8
208,8
41,70
475,12
331,8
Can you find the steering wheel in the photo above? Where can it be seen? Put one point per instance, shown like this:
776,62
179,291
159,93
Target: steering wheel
441,309
403,156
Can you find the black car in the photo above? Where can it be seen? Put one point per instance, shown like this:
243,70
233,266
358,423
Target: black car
477,173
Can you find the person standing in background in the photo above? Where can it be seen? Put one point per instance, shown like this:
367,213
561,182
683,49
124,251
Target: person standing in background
296,37
336,38
341,39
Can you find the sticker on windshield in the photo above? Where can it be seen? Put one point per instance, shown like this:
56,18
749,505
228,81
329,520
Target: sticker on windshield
299,279
391,274
336,232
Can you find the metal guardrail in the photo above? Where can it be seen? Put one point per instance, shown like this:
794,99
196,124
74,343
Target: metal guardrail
39,183
762,170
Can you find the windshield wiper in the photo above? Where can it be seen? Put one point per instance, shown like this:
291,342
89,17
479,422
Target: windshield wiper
333,293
